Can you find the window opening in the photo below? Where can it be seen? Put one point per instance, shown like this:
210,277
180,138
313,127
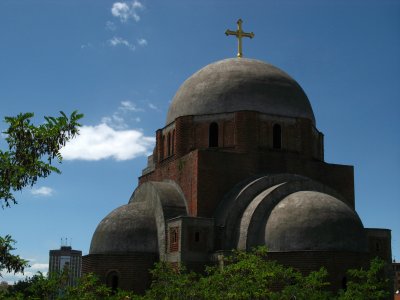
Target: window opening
169,144
174,236
162,147
277,136
344,283
113,281
213,135
174,239
377,246
173,143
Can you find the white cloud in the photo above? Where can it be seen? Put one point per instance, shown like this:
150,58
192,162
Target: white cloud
111,26
120,10
103,142
39,267
152,106
118,41
11,278
129,106
127,10
115,121
42,191
142,42
87,45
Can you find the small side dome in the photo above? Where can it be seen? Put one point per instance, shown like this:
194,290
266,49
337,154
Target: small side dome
310,220
239,84
129,228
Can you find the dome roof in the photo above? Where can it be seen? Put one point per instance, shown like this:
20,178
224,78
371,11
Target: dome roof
129,228
309,220
238,84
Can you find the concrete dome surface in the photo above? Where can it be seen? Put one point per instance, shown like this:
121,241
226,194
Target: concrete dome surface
238,84
129,228
308,220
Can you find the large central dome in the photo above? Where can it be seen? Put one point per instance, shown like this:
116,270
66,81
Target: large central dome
238,84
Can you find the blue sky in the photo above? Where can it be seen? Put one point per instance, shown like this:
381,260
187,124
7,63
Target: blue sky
121,62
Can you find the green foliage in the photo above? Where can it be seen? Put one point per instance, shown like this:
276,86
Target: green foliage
249,275
369,284
172,283
310,287
54,287
8,261
36,287
31,150
244,275
87,288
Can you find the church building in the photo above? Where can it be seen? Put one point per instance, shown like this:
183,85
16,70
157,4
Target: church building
238,163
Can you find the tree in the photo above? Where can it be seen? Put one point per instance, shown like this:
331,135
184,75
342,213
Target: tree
32,149
244,275
171,282
369,284
36,287
250,275
54,287
31,152
8,261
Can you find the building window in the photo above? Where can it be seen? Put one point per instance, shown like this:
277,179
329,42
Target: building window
344,283
174,236
165,147
173,143
169,144
277,136
197,236
162,142
213,135
113,281
174,239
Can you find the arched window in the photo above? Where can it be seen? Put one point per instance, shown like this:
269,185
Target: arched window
213,135
112,280
277,137
162,148
173,143
169,144
344,283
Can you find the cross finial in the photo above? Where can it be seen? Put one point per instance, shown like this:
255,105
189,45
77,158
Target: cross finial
239,33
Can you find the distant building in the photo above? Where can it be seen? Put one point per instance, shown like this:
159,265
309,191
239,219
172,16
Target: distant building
396,279
66,259
3,286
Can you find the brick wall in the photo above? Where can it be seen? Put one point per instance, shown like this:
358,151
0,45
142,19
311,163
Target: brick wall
337,263
220,171
184,172
205,176
132,269
249,135
243,130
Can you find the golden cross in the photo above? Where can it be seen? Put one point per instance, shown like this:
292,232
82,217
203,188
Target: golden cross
239,33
